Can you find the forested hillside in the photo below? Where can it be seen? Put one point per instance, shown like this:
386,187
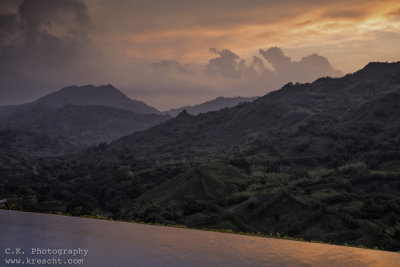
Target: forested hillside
319,161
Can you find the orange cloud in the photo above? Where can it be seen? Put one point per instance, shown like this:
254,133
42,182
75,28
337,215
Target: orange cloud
285,25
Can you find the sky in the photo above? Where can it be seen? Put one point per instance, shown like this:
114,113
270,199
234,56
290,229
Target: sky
178,52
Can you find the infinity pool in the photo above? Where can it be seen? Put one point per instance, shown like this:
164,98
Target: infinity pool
48,240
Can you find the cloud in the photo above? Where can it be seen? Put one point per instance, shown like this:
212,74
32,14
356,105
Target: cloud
155,49
307,69
39,43
345,14
225,64
394,13
172,65
230,65
276,57
259,78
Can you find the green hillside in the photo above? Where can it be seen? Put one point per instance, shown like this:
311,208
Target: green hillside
318,161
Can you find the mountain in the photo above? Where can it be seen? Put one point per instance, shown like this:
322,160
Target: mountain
86,115
316,161
212,105
271,119
105,95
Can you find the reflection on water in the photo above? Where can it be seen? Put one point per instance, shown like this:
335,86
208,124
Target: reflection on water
126,244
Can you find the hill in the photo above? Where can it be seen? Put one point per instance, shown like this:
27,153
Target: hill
87,115
318,161
280,115
212,105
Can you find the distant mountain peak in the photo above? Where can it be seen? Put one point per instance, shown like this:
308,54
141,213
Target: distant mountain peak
104,95
75,90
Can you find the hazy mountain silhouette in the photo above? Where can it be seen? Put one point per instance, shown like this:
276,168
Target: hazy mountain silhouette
212,105
105,95
85,114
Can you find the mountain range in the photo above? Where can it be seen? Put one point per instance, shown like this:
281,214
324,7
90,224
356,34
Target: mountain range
283,116
90,115
315,161
79,115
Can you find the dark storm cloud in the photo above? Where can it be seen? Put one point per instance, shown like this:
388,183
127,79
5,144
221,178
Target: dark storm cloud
43,23
9,6
42,38
8,23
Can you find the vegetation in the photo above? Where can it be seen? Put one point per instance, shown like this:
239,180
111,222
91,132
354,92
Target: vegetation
316,161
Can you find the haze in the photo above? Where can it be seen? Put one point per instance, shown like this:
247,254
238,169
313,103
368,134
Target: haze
175,53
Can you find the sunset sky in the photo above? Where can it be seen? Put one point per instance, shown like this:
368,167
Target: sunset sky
174,53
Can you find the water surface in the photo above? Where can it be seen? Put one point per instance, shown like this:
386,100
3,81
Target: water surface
127,244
